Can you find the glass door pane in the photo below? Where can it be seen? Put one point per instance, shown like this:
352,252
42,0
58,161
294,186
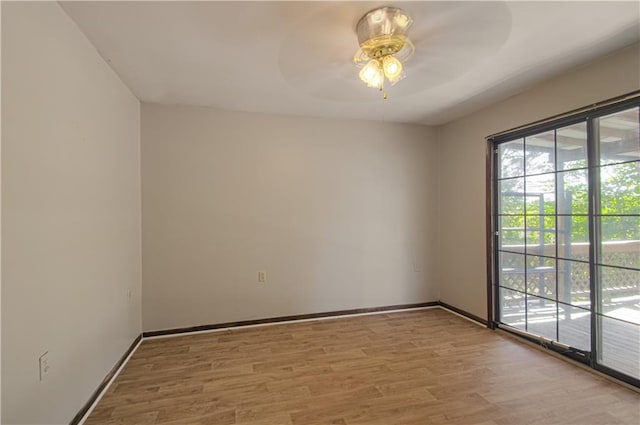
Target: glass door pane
527,221
618,250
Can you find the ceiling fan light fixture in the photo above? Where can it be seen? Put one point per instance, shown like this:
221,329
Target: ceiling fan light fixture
397,78
384,46
392,67
372,74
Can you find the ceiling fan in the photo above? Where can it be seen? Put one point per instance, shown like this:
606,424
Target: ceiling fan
384,46
443,39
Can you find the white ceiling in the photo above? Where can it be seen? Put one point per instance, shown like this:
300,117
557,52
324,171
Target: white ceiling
295,57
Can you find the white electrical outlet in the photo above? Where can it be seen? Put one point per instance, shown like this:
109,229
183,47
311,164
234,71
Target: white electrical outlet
44,365
416,264
262,277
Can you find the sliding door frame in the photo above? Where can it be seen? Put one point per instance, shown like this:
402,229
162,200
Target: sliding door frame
588,115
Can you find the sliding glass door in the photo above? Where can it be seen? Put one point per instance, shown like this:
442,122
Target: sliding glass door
617,254
567,236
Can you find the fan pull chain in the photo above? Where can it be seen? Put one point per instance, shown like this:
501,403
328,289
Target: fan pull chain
384,92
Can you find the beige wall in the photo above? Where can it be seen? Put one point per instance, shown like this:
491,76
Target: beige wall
335,211
340,214
70,215
462,158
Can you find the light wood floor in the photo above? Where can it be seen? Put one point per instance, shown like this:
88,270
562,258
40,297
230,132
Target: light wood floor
419,367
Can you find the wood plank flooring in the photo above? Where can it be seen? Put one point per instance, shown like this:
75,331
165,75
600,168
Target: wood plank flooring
415,367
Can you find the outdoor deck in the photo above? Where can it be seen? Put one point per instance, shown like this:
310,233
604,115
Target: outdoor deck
620,344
